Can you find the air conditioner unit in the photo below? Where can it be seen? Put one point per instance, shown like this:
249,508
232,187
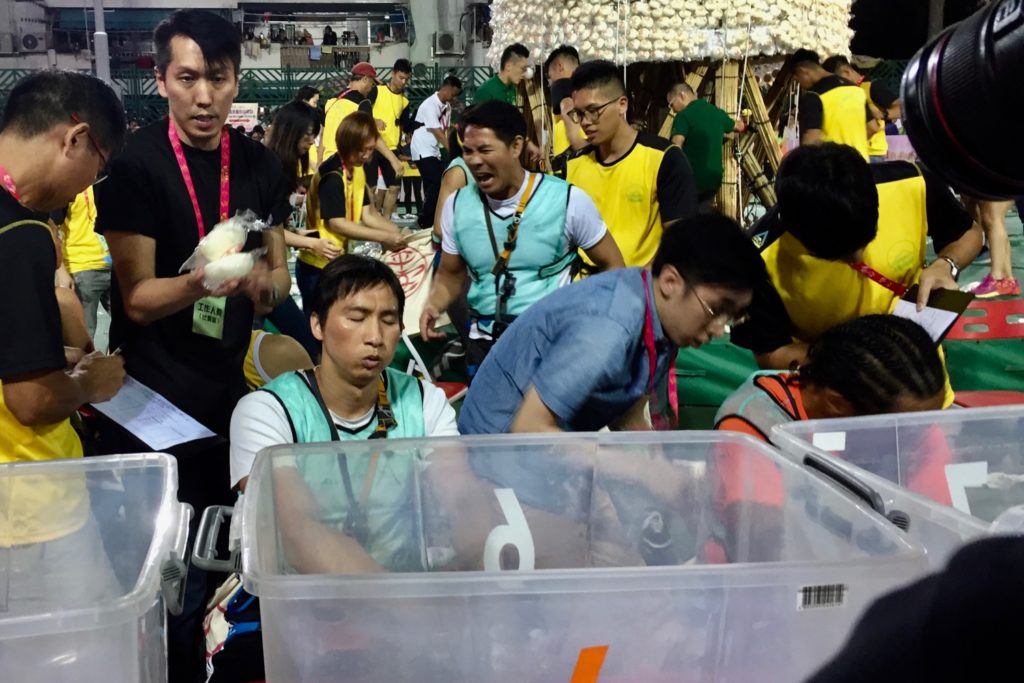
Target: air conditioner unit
31,41
448,43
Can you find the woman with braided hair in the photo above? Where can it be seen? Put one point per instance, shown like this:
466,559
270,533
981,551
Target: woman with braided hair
869,365
866,366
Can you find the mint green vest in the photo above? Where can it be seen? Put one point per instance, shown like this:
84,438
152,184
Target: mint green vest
459,162
540,256
392,511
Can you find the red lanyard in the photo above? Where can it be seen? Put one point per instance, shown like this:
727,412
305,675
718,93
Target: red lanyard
225,174
652,359
8,183
873,275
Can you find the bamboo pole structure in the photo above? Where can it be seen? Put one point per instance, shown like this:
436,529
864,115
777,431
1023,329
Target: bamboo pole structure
727,85
761,123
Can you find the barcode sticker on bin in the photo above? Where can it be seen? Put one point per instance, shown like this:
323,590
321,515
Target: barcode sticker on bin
817,597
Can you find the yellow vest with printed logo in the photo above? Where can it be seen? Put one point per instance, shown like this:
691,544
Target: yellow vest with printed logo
820,294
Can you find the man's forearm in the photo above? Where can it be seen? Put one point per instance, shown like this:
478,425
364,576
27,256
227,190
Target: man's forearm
964,250
45,399
158,297
386,152
441,140
446,287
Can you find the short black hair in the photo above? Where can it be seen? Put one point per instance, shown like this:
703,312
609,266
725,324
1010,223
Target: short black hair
306,93
562,52
834,62
258,129
48,98
452,81
216,37
599,73
827,199
513,51
874,360
403,65
351,273
505,120
804,57
711,249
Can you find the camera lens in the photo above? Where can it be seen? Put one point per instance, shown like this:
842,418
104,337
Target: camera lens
962,102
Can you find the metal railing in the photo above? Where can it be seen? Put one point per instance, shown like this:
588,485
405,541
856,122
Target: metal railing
271,88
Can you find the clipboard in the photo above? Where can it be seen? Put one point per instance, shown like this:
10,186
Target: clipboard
944,307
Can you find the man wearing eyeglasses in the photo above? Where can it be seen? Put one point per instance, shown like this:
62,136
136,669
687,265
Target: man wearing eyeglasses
640,182
58,129
589,355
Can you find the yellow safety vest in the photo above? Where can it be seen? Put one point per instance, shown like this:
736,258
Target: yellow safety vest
388,108
845,117
878,146
355,191
819,294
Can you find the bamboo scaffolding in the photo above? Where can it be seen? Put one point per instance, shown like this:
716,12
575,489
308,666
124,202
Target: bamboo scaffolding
726,98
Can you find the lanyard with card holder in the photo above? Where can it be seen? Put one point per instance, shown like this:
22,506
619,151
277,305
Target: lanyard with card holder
504,281
356,522
208,312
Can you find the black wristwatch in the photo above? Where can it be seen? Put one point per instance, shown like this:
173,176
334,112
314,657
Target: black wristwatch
954,270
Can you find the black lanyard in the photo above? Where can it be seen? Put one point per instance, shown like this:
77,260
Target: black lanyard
356,523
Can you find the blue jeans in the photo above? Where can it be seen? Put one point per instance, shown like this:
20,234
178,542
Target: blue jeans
307,277
877,159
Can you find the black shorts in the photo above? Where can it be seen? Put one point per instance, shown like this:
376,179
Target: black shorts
379,162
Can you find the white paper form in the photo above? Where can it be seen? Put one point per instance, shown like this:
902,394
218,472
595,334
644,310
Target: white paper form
151,417
937,318
935,321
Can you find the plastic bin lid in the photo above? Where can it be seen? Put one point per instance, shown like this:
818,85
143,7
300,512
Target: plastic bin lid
445,514
82,540
969,460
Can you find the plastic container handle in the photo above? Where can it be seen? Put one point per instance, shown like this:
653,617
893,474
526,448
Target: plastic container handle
1011,521
847,481
204,554
174,570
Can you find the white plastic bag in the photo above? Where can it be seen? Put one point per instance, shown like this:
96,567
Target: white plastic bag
220,253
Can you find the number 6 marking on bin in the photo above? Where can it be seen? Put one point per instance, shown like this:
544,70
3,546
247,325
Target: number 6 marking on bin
516,533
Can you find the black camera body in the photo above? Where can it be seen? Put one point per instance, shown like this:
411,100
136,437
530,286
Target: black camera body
963,100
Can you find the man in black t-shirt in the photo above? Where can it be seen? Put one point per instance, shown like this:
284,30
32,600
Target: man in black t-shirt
177,179
58,129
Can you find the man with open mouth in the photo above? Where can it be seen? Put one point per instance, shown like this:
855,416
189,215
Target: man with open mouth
513,237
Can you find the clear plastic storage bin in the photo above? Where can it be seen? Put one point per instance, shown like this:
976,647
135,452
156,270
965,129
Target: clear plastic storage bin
696,556
85,547
954,472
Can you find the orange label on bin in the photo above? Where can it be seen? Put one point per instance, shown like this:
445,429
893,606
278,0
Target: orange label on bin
588,666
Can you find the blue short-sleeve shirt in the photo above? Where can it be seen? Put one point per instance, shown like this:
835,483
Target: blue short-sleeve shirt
582,347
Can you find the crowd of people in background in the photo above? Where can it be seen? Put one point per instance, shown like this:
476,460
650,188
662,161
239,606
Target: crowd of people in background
572,281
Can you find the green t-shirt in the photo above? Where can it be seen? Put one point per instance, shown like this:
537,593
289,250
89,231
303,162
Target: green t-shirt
703,125
494,89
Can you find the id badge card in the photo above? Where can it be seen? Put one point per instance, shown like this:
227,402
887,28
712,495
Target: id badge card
208,316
